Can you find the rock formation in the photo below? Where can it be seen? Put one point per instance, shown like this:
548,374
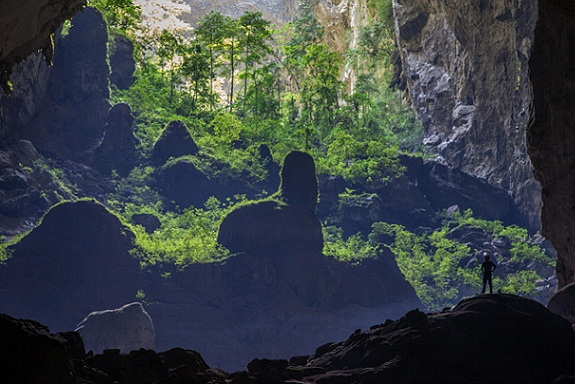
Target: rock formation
175,141
33,355
72,118
563,302
75,262
412,200
469,86
485,339
122,63
27,26
127,328
118,148
551,136
288,232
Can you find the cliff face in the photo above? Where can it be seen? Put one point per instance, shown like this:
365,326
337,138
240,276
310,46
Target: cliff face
466,66
551,135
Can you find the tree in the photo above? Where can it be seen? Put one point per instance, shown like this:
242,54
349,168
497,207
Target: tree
170,49
195,68
210,33
120,15
254,33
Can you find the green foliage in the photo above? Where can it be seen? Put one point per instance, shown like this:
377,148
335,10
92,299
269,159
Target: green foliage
183,238
436,266
353,250
281,89
122,16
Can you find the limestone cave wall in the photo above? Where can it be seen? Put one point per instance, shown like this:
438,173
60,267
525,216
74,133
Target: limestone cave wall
551,134
466,65
26,27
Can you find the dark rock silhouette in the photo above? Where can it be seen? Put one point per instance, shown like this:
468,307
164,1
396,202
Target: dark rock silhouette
118,148
288,232
146,220
122,63
33,355
299,181
75,262
563,302
175,141
72,120
550,135
484,339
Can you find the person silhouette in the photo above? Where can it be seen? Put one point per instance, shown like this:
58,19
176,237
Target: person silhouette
487,267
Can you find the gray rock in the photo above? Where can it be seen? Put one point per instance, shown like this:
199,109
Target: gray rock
127,328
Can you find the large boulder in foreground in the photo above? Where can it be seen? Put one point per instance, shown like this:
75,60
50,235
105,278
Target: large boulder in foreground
563,302
127,328
76,261
484,339
32,355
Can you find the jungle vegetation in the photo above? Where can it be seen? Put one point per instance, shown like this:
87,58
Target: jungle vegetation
241,83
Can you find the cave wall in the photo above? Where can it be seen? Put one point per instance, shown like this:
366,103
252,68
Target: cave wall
551,134
26,27
466,65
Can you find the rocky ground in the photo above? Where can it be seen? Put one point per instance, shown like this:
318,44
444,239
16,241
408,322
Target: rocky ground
484,339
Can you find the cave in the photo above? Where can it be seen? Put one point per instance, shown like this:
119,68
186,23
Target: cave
550,131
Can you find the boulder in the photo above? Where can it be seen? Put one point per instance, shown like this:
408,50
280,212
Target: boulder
33,355
147,220
76,261
118,148
563,302
484,339
181,182
127,328
175,141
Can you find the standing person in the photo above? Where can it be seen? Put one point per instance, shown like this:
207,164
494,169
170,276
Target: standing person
487,267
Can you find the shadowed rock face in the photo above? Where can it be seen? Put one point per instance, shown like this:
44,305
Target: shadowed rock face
72,118
466,67
551,136
563,302
118,148
175,141
76,261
